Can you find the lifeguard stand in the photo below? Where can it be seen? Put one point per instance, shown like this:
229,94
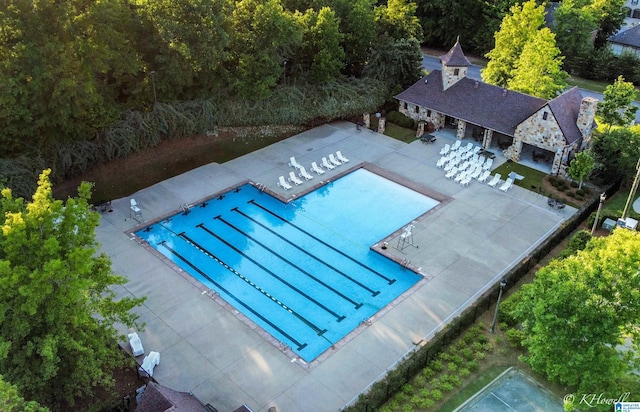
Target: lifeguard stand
135,212
406,238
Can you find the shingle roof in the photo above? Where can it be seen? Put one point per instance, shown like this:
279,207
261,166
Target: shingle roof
565,108
473,101
455,56
630,37
158,398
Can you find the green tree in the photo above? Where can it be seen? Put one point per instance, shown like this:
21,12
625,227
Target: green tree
538,71
617,153
616,107
264,37
576,312
11,401
610,17
581,166
516,30
397,19
574,24
321,52
398,63
57,311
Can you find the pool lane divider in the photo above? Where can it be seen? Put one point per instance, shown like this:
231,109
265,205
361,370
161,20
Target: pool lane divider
231,295
339,318
365,287
389,281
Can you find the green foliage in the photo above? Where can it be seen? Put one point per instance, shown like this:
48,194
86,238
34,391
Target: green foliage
578,309
578,241
616,108
581,166
395,62
12,401
574,22
516,30
397,20
57,311
538,70
617,153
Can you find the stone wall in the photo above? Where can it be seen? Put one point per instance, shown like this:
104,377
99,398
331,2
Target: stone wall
418,113
449,77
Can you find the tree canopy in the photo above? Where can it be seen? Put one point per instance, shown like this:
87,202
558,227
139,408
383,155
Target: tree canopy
581,166
578,310
617,153
518,28
616,107
57,313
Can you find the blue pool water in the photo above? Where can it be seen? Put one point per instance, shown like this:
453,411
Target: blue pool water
302,271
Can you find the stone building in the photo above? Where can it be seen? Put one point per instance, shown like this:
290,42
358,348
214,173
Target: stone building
509,121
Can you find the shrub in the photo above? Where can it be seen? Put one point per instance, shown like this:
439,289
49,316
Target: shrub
400,119
464,372
445,356
515,337
436,394
426,403
574,184
428,373
467,353
472,365
407,407
457,359
452,367
436,384
480,355
447,387
420,381
407,388
554,180
437,365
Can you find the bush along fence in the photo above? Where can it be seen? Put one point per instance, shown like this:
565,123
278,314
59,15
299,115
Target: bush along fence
382,390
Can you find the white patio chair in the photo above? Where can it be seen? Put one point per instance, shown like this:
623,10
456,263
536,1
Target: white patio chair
456,145
294,163
294,179
304,174
450,165
341,157
333,160
496,178
487,164
476,173
451,173
507,185
316,168
460,177
483,177
149,363
466,181
441,162
326,164
283,184
136,344
445,149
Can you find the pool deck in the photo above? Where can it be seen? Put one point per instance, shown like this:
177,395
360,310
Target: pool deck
462,248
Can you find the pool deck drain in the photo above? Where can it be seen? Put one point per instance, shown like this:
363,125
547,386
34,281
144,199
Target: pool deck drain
463,248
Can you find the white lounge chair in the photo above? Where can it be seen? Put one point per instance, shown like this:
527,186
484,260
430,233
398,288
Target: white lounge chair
460,177
456,145
487,164
476,173
316,168
326,164
476,149
283,184
451,173
496,178
341,157
333,160
445,149
149,363
483,177
136,344
466,181
441,162
294,179
294,163
507,185
304,174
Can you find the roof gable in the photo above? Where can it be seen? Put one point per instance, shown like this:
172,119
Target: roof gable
473,101
565,109
158,398
630,37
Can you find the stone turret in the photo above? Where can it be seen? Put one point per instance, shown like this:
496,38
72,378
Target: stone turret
454,66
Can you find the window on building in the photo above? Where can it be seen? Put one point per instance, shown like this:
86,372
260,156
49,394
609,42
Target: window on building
634,2
428,113
457,71
404,105
417,109
545,115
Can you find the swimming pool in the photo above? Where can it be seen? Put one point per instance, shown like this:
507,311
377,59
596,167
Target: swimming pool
303,271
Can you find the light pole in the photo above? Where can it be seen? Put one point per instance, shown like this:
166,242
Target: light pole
632,193
603,197
153,84
284,65
503,283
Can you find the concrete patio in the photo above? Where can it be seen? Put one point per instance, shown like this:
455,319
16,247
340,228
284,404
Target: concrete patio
464,247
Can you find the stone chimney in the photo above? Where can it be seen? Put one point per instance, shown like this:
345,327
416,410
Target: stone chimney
586,116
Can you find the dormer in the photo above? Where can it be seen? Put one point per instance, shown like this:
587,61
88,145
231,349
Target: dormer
454,66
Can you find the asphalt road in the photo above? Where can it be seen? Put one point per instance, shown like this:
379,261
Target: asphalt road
433,63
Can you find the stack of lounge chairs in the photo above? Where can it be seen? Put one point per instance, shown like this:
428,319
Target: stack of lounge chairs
464,164
295,177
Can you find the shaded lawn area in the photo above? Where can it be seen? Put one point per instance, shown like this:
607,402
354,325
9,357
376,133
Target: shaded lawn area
532,178
395,131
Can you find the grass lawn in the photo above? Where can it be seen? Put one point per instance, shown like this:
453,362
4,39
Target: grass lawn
532,178
395,131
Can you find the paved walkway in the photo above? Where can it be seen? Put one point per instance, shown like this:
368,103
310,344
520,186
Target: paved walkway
464,247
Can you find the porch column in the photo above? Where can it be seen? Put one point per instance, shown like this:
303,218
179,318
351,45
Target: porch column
514,151
420,131
557,160
367,120
462,126
486,140
381,125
